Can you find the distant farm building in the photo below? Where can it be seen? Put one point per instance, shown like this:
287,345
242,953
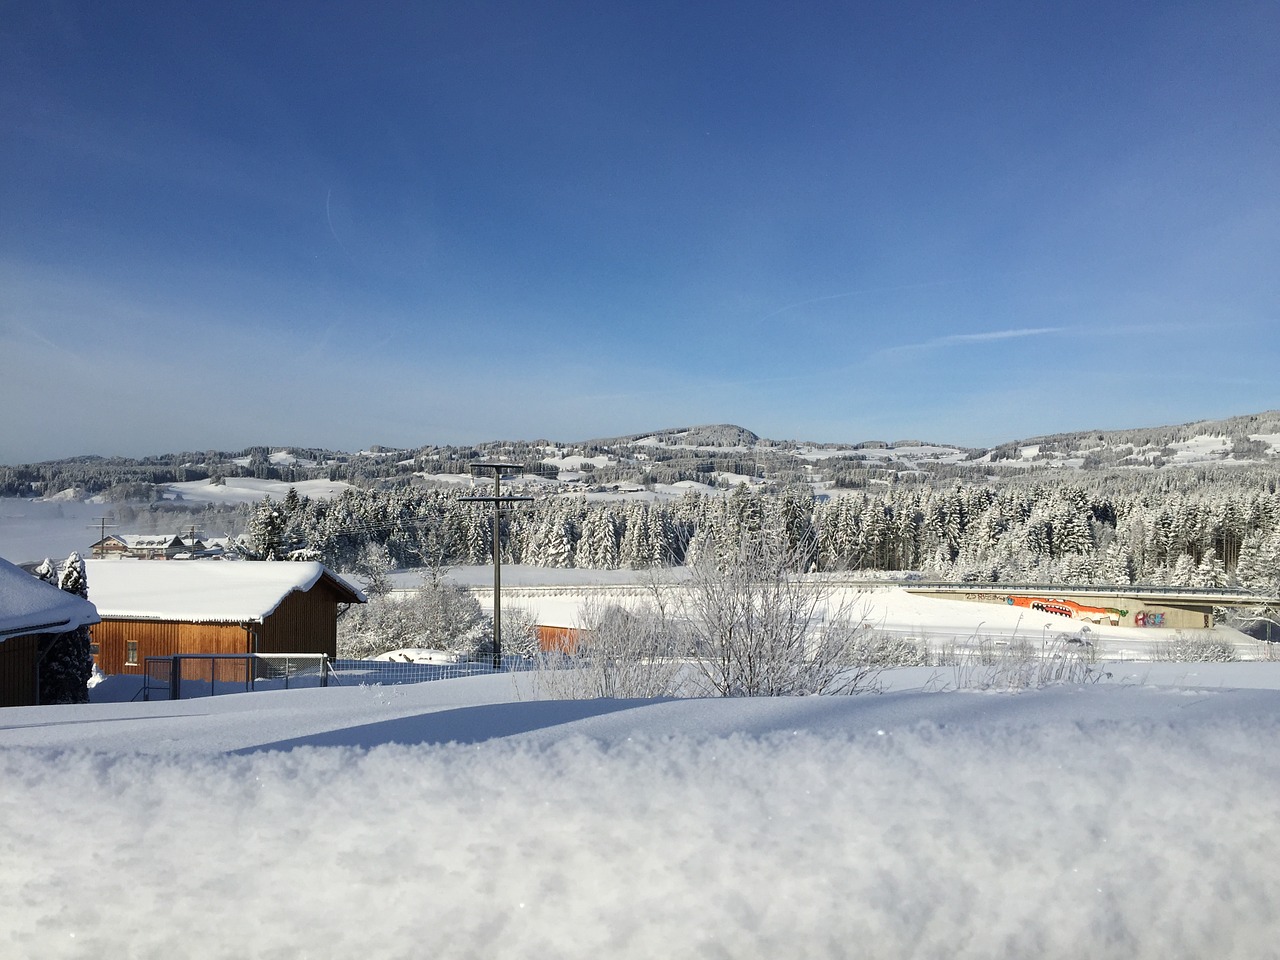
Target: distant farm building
1180,608
34,615
163,609
553,639
147,546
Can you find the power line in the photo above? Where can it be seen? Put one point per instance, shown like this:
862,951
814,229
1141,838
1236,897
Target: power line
102,523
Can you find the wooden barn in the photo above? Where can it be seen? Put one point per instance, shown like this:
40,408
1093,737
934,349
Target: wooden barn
558,639
162,609
32,613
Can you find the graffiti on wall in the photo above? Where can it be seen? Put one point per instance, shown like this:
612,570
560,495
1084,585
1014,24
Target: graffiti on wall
1071,609
1148,618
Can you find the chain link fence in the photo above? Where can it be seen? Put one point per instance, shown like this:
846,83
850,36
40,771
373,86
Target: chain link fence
187,676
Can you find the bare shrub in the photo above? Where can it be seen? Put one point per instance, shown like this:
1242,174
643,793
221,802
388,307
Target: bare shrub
743,624
1020,664
621,652
759,628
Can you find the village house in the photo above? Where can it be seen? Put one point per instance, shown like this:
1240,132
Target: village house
147,546
164,609
33,614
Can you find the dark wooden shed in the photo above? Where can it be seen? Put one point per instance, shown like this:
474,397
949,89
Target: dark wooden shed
213,606
32,615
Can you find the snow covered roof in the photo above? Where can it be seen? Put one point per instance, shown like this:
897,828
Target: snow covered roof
29,605
202,591
152,541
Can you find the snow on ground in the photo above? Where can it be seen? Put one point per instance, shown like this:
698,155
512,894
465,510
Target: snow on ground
462,479
576,461
466,819
279,458
736,479
1201,448
910,452
555,597
251,490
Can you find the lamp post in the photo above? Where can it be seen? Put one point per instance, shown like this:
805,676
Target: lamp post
497,499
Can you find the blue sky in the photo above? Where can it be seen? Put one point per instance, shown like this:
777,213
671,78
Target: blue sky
335,225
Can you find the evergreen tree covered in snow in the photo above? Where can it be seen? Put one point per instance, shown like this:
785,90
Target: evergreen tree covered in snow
267,530
1147,526
66,663
47,571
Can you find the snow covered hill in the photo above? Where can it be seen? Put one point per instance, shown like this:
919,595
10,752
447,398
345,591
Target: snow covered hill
714,455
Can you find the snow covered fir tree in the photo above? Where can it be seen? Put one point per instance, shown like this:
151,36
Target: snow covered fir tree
1189,527
66,663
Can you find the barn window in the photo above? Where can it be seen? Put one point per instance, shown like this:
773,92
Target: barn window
131,652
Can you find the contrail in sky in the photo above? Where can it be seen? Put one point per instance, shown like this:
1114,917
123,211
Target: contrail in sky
983,337
862,292
328,219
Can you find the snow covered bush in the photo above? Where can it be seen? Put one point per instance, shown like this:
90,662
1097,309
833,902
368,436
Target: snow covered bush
438,615
887,650
1196,648
519,632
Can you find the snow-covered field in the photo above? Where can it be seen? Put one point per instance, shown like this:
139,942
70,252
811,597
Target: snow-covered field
467,819
250,490
563,597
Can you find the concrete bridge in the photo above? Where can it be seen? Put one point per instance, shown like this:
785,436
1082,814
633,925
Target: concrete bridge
1122,605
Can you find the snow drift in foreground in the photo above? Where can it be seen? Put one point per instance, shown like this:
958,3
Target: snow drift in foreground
987,826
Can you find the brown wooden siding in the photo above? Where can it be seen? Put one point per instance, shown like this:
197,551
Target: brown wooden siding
303,623
557,639
161,638
18,677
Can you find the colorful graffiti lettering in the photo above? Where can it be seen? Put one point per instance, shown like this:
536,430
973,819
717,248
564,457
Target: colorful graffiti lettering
1071,609
1148,618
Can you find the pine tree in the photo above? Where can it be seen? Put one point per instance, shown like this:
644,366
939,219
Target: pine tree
598,546
1117,565
266,530
376,566
1211,572
659,536
635,549
47,571
557,541
66,663
1183,573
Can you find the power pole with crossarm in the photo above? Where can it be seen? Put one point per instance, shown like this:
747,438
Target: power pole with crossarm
498,500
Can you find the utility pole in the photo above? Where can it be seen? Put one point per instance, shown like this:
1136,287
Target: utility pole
497,499
102,527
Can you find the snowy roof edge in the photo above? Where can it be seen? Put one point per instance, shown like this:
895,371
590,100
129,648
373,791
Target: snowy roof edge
256,614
